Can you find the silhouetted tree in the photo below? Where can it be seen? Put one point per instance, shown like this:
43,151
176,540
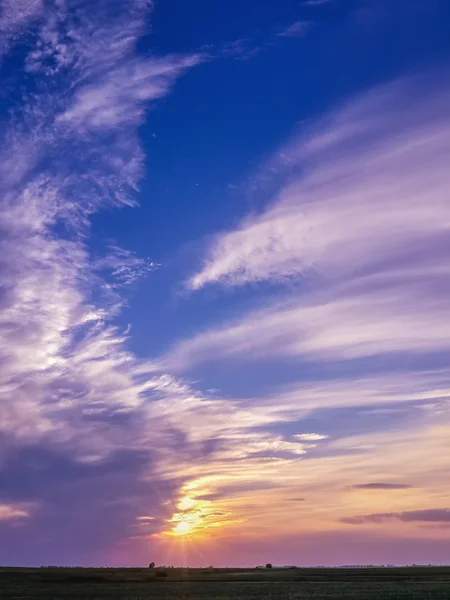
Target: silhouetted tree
269,566
151,565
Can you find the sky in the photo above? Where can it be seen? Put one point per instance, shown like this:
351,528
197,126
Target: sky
224,282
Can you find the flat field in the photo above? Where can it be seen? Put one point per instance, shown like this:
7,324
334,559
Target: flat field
427,583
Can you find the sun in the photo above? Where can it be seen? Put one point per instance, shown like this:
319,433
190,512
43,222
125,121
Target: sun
183,528
189,518
194,517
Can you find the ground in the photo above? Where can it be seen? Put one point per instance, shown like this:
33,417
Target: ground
427,583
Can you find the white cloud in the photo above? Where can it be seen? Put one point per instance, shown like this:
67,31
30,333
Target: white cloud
68,381
310,437
359,225
361,222
123,267
70,391
345,323
120,97
297,29
373,180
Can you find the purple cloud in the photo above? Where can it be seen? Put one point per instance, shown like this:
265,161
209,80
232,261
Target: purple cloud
381,486
79,445
437,515
91,437
15,17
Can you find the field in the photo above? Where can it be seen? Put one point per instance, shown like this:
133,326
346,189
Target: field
432,583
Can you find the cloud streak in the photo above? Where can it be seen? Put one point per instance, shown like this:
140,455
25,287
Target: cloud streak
297,29
78,449
381,486
109,451
15,16
373,180
358,229
316,2
437,515
352,247
10,512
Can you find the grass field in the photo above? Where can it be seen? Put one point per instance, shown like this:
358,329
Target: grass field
418,583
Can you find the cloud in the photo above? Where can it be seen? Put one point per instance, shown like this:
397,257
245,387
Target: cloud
251,489
93,439
437,515
15,16
242,48
121,95
79,451
316,2
381,486
123,266
297,29
357,323
9,512
353,241
310,437
352,249
347,210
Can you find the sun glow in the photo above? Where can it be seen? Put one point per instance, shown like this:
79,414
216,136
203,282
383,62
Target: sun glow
183,528
194,517
189,518
187,503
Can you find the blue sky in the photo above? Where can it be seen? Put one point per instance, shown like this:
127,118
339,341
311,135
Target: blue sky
196,171
224,282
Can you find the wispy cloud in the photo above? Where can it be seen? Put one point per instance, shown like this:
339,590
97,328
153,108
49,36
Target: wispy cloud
243,48
75,423
92,436
15,16
316,2
252,486
437,515
296,29
381,486
120,97
10,512
123,266
361,224
310,437
361,170
252,46
359,323
353,244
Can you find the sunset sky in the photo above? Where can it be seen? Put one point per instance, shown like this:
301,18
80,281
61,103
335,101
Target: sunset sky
224,282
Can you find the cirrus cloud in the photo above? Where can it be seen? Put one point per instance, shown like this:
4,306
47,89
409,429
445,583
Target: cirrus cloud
355,239
381,486
75,404
436,515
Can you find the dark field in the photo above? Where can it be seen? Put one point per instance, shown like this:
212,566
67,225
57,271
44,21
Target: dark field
431,583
